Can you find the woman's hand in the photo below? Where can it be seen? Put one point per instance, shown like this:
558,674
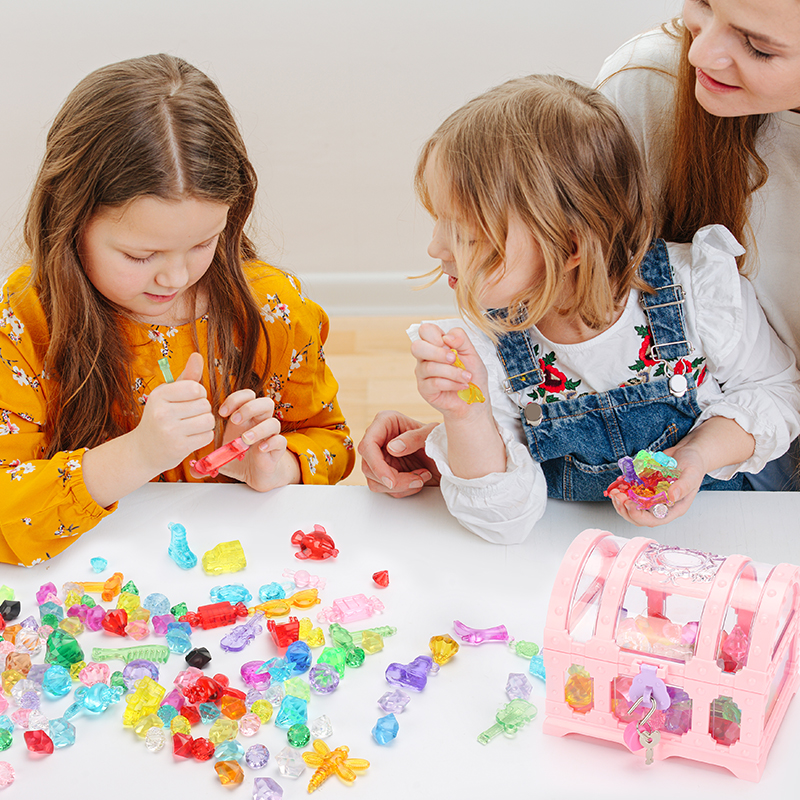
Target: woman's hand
393,456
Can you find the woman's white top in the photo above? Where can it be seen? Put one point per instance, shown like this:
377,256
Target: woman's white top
747,374
646,99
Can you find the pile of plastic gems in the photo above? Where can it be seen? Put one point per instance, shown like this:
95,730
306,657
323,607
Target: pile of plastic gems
202,716
646,479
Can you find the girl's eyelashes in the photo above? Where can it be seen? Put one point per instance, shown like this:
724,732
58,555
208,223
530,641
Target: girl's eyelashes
139,260
204,246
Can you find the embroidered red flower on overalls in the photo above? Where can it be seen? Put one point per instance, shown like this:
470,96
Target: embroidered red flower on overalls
644,350
554,380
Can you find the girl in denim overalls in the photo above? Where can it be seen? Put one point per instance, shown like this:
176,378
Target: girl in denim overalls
590,339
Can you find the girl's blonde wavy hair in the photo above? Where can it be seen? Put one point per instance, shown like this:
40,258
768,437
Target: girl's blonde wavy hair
558,156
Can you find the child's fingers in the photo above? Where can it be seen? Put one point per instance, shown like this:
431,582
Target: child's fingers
433,334
264,430
193,371
457,338
235,400
427,351
252,411
275,444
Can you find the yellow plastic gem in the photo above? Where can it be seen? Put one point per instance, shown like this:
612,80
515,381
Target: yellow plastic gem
180,724
297,688
145,700
139,614
71,625
225,557
305,628
579,689
371,642
145,723
73,599
329,762
75,670
10,679
316,638
223,729
473,394
443,647
263,710
128,601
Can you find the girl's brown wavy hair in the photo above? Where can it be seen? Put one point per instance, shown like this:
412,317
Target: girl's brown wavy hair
556,155
158,127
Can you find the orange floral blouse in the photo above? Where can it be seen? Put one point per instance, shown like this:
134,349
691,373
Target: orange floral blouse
44,504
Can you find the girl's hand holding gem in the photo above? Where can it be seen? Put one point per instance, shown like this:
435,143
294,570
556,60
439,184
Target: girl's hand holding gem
267,464
439,380
176,421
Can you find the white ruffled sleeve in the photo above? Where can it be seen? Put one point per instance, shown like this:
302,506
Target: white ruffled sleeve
755,370
502,507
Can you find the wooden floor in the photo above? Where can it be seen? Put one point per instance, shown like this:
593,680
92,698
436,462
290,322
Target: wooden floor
371,359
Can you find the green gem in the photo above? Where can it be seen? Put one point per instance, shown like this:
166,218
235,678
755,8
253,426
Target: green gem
335,656
298,735
87,601
50,619
340,636
117,679
355,657
526,649
5,739
63,649
130,588
179,610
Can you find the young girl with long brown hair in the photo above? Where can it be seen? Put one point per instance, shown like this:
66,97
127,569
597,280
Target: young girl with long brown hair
139,270
589,339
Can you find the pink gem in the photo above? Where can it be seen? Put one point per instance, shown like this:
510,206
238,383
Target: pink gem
7,774
249,724
137,629
94,673
20,717
735,648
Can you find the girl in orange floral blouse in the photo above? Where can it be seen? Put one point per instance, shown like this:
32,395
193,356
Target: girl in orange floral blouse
138,255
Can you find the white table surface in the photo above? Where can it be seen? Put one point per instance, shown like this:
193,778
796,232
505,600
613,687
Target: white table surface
438,572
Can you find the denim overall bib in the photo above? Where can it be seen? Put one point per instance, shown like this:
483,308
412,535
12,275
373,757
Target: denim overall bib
579,441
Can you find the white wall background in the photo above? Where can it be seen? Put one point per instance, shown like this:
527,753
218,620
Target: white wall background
334,100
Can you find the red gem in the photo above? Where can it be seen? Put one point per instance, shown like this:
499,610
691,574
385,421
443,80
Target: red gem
381,578
182,745
284,633
191,713
38,742
202,749
115,621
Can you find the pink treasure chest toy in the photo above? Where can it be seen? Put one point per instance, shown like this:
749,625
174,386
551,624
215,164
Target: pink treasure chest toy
671,652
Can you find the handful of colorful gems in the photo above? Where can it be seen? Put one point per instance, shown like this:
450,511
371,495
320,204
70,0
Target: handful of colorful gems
646,479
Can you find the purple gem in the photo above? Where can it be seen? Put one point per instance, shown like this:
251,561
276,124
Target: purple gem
266,789
257,756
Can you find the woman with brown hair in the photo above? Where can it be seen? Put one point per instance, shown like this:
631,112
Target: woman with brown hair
713,99
140,268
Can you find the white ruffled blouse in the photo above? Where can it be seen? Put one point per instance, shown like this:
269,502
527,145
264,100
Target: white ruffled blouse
744,372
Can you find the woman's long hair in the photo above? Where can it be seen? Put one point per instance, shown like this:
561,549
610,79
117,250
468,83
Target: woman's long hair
157,127
712,167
